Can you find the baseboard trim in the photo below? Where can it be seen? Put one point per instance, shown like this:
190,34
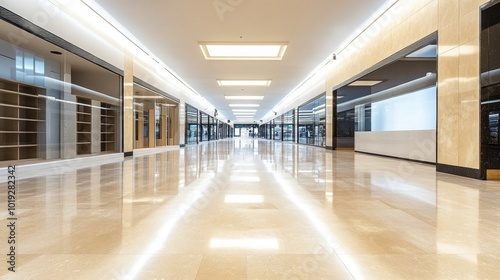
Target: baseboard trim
460,171
387,156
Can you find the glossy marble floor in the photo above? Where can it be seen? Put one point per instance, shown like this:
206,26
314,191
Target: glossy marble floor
245,209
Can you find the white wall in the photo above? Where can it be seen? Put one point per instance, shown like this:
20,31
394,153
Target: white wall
411,111
417,145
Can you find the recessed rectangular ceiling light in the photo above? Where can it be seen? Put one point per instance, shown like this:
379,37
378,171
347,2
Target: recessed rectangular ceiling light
244,114
243,97
243,51
244,110
361,83
242,83
244,105
429,51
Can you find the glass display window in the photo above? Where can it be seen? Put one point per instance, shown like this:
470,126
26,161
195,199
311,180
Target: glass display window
55,104
155,122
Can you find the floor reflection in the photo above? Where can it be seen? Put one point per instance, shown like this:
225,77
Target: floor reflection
256,209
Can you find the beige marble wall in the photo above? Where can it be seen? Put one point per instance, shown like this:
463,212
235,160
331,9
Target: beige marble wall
402,25
457,23
128,104
458,83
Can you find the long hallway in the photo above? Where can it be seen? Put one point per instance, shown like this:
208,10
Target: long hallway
255,209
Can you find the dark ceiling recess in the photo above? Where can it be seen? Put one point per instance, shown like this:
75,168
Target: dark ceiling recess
393,74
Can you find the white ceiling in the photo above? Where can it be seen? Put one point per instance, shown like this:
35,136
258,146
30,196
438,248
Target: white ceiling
171,29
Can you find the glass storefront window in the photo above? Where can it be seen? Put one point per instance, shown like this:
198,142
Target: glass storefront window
289,126
153,119
204,133
311,123
191,125
203,127
55,104
278,128
490,87
246,130
220,131
212,128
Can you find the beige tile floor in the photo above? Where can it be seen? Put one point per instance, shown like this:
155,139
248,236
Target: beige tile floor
244,209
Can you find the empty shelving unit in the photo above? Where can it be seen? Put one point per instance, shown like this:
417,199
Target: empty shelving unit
83,126
21,120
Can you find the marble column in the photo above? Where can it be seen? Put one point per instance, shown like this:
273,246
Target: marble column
128,105
181,130
331,117
68,115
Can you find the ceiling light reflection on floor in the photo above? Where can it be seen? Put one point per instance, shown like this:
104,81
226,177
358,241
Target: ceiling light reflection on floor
244,164
329,196
245,178
334,246
244,199
153,200
245,243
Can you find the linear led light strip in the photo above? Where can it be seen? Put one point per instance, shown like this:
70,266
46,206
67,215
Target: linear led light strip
376,15
102,13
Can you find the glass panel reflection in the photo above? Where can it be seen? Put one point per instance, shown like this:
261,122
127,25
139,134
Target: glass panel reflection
289,126
154,124
312,125
204,127
192,125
